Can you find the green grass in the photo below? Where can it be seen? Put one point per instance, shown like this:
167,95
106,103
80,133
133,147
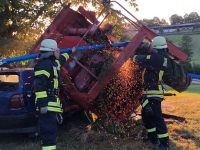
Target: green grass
183,135
176,39
193,88
74,133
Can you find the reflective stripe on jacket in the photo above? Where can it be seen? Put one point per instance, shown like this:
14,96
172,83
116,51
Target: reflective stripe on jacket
154,67
47,76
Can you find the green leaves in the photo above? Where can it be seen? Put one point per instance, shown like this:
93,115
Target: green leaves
26,20
186,46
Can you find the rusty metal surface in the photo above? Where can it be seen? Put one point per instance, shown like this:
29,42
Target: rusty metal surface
125,54
82,84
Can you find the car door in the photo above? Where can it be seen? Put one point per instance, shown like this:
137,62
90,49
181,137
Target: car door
28,89
9,83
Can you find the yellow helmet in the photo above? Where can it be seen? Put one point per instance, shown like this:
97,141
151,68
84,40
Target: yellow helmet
159,42
49,45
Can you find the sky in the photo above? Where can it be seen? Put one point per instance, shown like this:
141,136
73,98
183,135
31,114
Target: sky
161,8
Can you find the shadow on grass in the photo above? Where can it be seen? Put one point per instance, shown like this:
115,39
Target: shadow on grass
67,140
188,137
18,141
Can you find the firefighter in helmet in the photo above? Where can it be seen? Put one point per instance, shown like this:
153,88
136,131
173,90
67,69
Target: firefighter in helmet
47,81
154,66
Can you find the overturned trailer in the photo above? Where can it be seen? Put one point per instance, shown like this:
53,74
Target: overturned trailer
104,81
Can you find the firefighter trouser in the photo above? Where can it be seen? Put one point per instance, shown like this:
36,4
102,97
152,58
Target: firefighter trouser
48,130
155,124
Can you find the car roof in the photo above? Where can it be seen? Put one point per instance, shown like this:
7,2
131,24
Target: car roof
14,69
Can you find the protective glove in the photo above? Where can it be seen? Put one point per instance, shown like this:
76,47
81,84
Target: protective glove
147,110
43,110
59,118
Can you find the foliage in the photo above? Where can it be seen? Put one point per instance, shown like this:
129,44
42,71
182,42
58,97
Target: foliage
154,22
21,24
193,66
183,135
175,19
193,17
117,29
23,20
196,68
186,46
177,29
15,47
126,129
161,29
20,16
196,27
125,37
187,66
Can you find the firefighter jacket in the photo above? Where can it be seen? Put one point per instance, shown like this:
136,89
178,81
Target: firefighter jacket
154,67
47,80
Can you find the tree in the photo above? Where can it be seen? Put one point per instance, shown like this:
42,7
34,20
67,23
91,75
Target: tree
175,19
193,17
163,22
23,21
161,29
154,22
186,18
177,29
186,46
196,68
196,26
148,22
125,37
19,15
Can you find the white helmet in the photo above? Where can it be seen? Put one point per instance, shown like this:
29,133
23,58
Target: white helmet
49,45
159,42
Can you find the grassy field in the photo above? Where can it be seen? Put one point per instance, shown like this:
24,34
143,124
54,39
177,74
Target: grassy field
74,133
176,39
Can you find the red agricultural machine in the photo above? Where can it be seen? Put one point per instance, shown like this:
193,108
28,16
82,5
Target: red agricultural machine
104,81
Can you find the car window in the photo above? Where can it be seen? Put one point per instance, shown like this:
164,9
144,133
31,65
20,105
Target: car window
9,78
9,82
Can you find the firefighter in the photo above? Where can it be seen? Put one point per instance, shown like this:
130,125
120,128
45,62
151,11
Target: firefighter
154,66
47,81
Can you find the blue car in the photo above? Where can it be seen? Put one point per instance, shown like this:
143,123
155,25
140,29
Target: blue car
17,101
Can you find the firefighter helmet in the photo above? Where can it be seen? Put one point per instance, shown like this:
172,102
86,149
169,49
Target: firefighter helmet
49,45
159,42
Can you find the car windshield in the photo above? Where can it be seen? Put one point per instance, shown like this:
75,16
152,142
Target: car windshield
9,81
